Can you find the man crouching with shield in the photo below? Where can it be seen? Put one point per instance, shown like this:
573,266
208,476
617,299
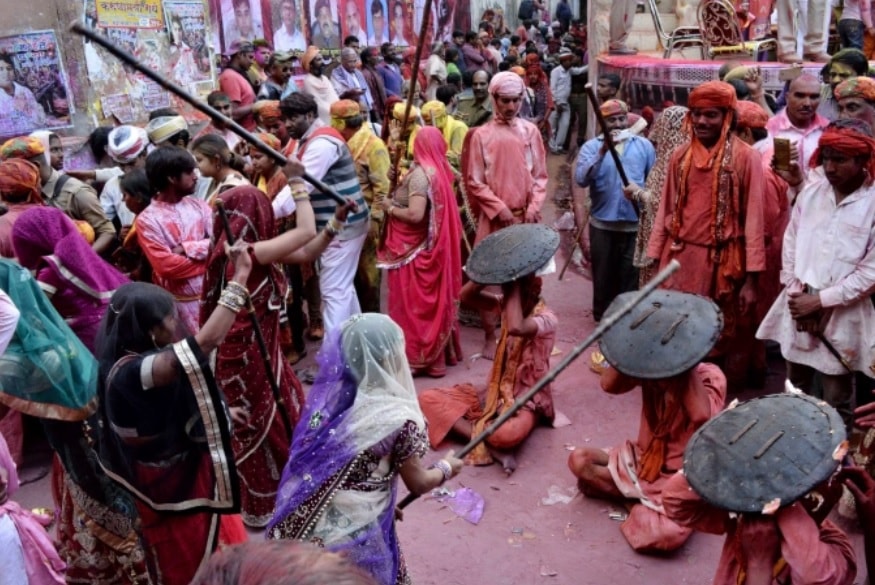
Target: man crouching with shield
657,346
764,473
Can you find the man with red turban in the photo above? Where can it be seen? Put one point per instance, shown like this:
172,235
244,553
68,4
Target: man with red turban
504,168
829,270
710,217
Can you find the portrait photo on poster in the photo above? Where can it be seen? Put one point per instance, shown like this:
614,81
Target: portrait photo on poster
401,24
352,22
378,22
324,24
236,20
34,91
288,25
188,50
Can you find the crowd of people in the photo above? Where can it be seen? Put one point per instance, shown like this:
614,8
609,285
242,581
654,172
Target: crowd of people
152,309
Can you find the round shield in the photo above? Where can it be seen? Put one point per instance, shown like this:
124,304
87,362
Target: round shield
765,453
511,253
666,334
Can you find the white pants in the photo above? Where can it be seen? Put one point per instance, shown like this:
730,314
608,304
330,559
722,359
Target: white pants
559,127
13,571
803,32
339,263
621,20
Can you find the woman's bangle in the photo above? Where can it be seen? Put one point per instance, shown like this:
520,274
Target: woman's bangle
445,468
335,225
232,299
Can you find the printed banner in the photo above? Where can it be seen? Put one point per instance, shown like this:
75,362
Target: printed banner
130,13
34,91
188,57
119,106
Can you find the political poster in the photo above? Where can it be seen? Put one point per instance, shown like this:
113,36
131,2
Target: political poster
34,90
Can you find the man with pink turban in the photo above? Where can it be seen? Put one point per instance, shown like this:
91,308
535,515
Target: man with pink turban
505,170
710,217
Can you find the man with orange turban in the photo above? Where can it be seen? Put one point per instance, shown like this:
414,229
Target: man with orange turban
317,85
856,99
613,219
751,128
710,217
19,190
829,270
504,168
270,118
372,162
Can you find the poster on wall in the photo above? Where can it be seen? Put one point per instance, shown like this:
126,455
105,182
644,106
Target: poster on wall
181,51
353,21
34,91
323,24
378,22
401,23
235,20
130,13
288,26
188,55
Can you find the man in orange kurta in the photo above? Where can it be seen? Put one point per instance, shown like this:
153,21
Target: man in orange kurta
710,217
504,168
789,546
523,358
750,355
678,395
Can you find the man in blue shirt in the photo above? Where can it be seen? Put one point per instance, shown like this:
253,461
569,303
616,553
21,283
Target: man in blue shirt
613,219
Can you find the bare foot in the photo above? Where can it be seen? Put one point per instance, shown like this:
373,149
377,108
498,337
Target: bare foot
489,346
507,460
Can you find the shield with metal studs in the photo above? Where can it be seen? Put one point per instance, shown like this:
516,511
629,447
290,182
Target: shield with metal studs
667,334
511,253
765,453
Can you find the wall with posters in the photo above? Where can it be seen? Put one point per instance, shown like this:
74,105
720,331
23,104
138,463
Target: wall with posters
50,78
39,70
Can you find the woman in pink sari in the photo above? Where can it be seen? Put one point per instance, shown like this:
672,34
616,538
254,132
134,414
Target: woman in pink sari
421,253
77,280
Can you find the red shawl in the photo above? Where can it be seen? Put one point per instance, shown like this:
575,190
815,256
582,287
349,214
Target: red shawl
425,259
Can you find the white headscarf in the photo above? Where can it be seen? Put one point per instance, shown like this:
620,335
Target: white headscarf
374,351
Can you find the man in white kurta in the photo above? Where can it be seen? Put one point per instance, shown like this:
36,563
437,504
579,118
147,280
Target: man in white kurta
828,270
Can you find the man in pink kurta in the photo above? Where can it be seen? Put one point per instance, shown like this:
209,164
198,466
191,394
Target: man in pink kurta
504,169
174,231
710,217
671,411
504,162
802,551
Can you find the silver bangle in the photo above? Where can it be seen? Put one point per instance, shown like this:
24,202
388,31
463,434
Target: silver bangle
445,468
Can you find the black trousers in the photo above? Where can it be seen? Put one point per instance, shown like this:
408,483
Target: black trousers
612,270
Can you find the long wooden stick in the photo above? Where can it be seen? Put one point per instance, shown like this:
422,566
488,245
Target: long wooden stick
202,107
256,328
606,323
400,151
609,140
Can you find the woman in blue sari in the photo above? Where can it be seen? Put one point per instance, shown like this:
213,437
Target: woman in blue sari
360,429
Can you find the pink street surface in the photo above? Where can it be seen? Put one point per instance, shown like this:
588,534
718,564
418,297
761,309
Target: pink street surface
521,540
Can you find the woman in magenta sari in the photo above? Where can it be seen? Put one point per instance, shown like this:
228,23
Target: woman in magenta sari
77,280
422,255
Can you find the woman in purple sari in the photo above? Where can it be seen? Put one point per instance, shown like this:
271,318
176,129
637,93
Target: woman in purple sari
77,281
361,427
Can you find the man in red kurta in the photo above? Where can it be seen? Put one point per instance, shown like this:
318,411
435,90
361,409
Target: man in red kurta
710,217
749,356
673,408
790,545
504,168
